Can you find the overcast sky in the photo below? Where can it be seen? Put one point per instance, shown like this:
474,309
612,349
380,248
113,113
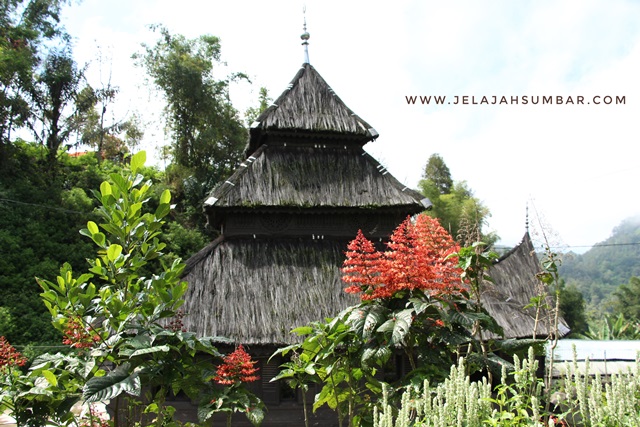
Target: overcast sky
576,165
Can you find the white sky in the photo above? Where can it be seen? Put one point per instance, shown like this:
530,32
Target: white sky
577,164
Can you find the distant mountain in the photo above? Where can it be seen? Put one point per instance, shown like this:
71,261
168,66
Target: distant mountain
609,264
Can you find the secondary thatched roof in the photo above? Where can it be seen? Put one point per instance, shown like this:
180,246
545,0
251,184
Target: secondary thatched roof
515,284
255,291
308,177
309,105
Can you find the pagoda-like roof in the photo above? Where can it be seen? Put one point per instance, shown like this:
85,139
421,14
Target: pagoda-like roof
317,176
310,107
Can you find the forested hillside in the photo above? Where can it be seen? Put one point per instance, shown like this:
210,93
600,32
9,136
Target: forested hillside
609,264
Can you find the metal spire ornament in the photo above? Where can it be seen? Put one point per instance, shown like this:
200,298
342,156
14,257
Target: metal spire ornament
305,37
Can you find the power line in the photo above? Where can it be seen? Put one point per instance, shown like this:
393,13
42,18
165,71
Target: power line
43,206
596,245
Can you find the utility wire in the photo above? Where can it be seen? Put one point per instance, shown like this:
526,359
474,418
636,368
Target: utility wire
48,207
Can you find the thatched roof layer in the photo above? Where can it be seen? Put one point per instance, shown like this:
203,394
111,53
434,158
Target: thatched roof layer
308,177
255,291
310,105
515,284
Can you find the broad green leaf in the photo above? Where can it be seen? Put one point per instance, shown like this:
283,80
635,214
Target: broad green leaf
121,183
138,160
113,252
134,209
165,197
50,377
156,349
113,384
99,239
163,210
92,227
105,189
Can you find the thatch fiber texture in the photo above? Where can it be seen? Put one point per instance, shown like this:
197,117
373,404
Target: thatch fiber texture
310,105
255,291
314,177
515,283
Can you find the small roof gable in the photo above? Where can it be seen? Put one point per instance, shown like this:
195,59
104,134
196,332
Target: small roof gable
515,283
310,107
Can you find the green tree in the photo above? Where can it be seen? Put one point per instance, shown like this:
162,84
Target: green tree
627,299
438,173
125,323
207,133
573,308
53,98
459,212
24,27
264,100
111,140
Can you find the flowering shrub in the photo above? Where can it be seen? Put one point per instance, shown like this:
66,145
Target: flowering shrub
9,356
77,335
236,367
414,303
418,259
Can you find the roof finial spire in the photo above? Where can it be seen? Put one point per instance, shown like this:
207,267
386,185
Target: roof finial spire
526,224
305,36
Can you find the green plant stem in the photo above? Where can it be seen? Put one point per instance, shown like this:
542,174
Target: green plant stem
304,406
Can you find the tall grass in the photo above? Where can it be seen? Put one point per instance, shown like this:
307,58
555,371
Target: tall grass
580,400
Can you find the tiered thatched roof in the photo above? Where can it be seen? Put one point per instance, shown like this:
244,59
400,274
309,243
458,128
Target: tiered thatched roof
254,291
515,283
286,216
313,177
309,107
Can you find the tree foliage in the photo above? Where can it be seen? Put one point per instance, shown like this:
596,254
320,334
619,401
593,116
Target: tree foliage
53,97
437,172
117,317
207,133
25,26
613,262
39,219
459,212
627,299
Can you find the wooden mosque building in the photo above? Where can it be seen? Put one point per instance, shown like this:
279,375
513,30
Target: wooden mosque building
284,220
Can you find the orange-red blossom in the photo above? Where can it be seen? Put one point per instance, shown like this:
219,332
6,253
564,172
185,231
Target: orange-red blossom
236,367
77,335
9,356
417,258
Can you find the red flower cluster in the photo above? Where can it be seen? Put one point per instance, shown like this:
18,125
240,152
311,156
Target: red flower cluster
9,356
416,259
77,335
176,325
237,367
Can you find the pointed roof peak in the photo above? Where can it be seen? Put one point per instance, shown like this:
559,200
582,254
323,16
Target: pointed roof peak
309,107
